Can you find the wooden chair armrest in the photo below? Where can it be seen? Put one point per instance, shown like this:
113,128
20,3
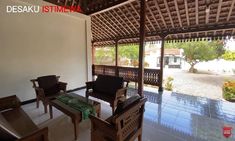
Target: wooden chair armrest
121,92
62,86
9,102
89,85
41,134
39,91
104,126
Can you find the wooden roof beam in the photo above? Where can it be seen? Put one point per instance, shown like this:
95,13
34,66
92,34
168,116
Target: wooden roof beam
111,4
104,25
218,11
207,15
114,23
230,10
196,11
113,11
136,29
178,13
169,13
186,31
151,12
104,19
120,24
101,27
131,16
186,10
137,13
160,13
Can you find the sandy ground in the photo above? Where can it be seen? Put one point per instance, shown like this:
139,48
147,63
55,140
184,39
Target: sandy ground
205,85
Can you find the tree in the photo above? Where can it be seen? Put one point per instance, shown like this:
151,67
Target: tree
130,52
104,55
195,52
229,55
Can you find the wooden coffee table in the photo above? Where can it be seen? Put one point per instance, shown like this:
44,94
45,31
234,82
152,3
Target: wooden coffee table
74,114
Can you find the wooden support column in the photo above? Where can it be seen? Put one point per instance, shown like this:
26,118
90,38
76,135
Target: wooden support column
93,53
116,57
141,47
93,60
161,65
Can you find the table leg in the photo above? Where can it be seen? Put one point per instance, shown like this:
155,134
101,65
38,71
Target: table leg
75,123
51,112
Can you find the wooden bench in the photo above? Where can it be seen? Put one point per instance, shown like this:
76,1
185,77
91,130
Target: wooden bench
16,125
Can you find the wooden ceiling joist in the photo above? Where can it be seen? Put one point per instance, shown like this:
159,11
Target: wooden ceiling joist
176,19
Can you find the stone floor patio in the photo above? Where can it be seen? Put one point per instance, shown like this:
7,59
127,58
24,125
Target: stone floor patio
168,117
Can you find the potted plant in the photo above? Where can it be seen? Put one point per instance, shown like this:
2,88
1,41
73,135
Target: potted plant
229,90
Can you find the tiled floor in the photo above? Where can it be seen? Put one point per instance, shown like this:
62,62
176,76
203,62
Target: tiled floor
168,117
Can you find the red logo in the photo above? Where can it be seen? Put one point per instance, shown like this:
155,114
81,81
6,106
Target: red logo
227,131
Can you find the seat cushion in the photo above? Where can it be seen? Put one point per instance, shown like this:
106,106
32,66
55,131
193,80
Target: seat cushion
108,84
122,106
103,96
49,84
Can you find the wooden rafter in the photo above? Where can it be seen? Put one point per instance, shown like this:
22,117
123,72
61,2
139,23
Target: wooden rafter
102,28
207,14
108,23
230,10
160,13
218,11
186,11
104,24
120,24
179,19
132,6
114,23
185,31
134,19
178,13
151,12
196,9
169,13
117,15
146,27
107,35
134,27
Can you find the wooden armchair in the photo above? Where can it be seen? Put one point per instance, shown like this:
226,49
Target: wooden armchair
47,88
107,88
15,124
124,125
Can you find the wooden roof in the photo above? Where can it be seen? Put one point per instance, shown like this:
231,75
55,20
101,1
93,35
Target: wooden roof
179,20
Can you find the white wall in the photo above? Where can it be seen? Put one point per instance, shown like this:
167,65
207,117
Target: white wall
33,45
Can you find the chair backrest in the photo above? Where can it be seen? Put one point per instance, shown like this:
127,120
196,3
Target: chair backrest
129,120
108,84
48,83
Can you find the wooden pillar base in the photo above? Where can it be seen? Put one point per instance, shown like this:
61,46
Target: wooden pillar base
160,89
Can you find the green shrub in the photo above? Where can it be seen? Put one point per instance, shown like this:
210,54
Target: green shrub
168,84
229,90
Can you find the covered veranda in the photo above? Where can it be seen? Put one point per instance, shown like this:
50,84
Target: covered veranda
168,116
150,21
184,117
